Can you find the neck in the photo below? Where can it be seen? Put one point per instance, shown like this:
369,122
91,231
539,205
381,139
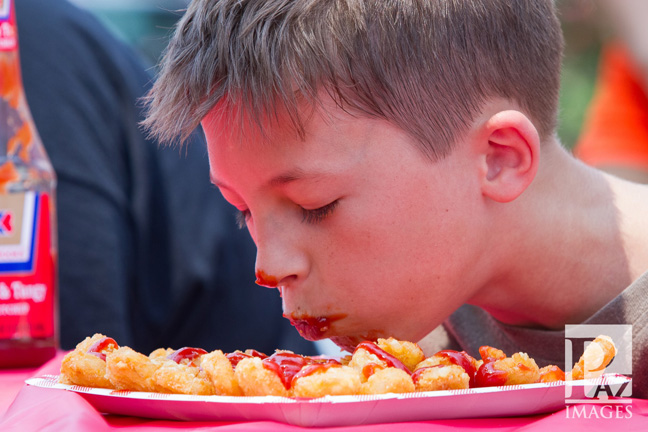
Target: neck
584,240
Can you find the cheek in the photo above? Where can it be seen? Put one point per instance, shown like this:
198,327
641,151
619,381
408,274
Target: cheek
372,245
395,239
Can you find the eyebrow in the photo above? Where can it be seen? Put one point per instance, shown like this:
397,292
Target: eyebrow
280,180
291,176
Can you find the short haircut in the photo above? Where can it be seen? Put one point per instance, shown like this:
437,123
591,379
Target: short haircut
427,66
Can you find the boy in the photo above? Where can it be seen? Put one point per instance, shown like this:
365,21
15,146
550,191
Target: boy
396,160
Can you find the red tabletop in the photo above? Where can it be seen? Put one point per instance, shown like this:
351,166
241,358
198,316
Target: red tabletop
27,408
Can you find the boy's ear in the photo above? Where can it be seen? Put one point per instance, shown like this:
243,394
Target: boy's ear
510,147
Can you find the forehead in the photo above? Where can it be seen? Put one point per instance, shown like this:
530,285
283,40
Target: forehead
233,127
227,124
334,141
331,141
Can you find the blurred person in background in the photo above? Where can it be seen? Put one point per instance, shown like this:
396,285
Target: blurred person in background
615,132
148,251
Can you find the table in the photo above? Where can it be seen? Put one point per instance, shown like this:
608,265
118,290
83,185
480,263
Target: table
25,408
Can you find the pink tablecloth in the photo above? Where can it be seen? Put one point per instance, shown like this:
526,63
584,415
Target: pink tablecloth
40,409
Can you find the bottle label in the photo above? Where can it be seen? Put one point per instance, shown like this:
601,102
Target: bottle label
27,267
8,39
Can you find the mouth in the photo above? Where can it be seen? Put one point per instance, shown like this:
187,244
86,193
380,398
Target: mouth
313,328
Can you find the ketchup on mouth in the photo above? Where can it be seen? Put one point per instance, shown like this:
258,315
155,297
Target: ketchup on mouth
313,328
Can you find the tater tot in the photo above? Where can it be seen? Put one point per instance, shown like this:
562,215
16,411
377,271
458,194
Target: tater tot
362,357
521,369
221,373
409,353
389,380
367,362
172,377
433,361
161,353
488,353
551,373
441,377
87,369
129,370
452,358
336,380
255,380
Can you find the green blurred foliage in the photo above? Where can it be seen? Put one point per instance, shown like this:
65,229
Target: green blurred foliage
147,30
583,40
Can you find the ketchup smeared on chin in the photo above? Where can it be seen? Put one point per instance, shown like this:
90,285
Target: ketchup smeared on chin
97,349
313,328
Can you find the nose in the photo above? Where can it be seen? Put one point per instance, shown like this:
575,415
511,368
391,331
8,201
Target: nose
279,261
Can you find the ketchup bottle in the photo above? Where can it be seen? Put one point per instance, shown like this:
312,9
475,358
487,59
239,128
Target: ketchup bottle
28,248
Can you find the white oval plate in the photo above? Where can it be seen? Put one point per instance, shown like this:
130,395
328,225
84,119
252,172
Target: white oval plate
505,401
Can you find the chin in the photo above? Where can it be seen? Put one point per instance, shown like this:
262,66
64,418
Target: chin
313,327
349,343
346,343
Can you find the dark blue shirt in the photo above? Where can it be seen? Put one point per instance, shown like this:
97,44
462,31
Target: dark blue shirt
149,252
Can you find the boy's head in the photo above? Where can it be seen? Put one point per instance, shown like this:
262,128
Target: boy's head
316,113
427,66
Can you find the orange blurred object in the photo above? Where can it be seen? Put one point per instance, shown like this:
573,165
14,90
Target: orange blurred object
615,131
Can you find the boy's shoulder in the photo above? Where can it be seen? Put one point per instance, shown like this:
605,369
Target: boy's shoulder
471,327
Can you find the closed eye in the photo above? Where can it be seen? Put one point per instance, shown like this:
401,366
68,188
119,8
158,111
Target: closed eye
242,217
313,216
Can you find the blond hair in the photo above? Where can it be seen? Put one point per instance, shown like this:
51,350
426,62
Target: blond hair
425,65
